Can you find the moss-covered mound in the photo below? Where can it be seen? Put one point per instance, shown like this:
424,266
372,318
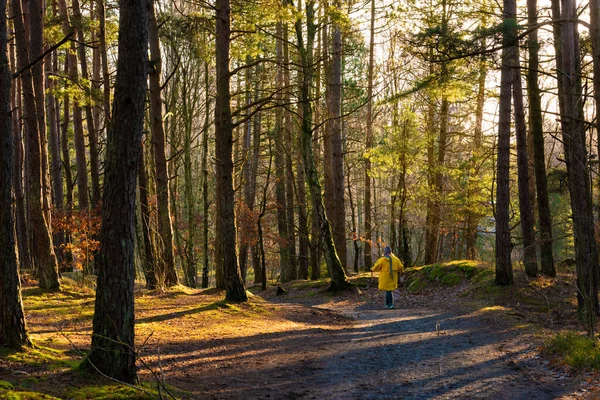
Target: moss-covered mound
452,273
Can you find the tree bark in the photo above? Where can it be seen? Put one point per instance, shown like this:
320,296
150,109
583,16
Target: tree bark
369,142
149,261
334,158
22,233
504,271
205,209
90,121
525,201
13,330
112,350
42,249
226,256
165,228
586,253
288,271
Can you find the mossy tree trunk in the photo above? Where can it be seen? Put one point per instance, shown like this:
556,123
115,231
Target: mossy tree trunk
338,276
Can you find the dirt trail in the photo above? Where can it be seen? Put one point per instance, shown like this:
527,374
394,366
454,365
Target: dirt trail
368,352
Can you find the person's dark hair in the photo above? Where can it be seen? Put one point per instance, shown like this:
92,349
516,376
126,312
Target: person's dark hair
387,250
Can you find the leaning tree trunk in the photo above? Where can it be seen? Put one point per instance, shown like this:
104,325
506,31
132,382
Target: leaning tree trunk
504,272
112,350
42,249
226,250
336,271
165,229
13,331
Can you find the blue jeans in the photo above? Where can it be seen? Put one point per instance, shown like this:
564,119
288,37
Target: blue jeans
389,299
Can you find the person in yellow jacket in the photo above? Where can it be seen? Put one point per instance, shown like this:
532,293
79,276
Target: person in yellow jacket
389,266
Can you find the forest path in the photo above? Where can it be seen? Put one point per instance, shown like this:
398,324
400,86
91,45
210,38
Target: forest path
368,352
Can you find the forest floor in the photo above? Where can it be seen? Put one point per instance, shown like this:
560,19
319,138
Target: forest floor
446,338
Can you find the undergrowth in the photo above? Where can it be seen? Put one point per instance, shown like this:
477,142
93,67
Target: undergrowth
574,350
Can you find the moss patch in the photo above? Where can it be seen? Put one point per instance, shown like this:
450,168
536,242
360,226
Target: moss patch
4,385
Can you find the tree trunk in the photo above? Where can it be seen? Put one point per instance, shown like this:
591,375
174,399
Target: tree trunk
246,170
42,248
91,123
191,270
595,44
288,151
226,254
525,201
504,272
165,228
336,210
336,271
13,330
430,232
472,220
586,253
55,162
149,259
304,240
205,210
112,350
369,142
21,226
104,59
80,152
288,273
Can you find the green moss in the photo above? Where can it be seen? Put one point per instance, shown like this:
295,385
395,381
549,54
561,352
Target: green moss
445,274
40,356
452,279
18,395
4,385
579,352
111,391
309,284
415,285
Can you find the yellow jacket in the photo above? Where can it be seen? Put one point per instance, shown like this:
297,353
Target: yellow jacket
386,281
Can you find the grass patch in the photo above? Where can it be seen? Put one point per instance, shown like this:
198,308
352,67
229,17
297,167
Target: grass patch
577,351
